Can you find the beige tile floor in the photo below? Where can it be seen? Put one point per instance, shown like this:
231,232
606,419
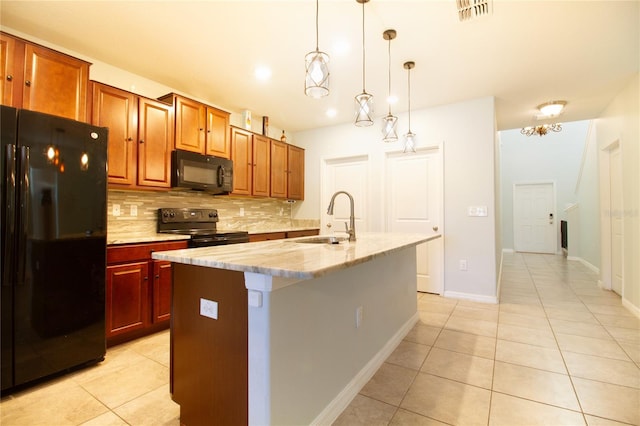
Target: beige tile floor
556,351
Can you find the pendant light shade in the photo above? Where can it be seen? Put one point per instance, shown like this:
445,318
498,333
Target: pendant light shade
316,79
364,101
389,122
409,137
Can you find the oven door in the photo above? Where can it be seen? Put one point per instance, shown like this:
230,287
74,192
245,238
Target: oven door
201,172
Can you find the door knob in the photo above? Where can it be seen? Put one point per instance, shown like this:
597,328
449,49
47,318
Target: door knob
435,228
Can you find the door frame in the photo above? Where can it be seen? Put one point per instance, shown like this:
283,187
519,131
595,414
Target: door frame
606,251
439,147
554,210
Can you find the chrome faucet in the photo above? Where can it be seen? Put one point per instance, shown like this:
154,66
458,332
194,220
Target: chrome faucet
351,229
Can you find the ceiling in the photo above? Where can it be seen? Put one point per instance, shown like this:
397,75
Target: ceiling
524,53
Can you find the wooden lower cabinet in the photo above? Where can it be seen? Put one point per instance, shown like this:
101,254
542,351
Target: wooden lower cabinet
138,290
267,236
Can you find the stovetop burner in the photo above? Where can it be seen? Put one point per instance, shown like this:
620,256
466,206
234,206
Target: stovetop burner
200,224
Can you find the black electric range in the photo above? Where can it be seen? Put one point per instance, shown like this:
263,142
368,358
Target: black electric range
200,224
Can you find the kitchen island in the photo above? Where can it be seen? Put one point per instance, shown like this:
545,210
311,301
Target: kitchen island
286,331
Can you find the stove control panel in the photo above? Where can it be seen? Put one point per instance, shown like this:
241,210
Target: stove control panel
187,215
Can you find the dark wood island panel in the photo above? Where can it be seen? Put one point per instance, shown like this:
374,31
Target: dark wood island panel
209,357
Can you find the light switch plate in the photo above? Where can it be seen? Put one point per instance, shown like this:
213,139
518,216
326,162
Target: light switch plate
209,308
254,298
478,211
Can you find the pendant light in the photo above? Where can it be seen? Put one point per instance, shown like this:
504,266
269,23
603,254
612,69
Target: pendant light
364,101
389,122
316,79
409,137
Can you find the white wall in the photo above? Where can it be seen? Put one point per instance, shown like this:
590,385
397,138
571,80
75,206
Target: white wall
467,132
555,157
621,121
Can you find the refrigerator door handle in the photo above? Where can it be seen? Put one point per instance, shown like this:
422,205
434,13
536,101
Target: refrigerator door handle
10,213
24,213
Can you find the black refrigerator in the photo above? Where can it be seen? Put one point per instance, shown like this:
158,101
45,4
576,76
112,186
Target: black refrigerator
53,245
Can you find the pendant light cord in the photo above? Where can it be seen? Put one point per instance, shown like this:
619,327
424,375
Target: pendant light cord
317,37
409,100
363,54
389,93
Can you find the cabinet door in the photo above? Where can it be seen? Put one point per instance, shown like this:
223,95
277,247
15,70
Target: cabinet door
278,169
190,125
55,83
295,184
155,141
241,154
118,110
162,280
127,298
8,70
218,133
261,166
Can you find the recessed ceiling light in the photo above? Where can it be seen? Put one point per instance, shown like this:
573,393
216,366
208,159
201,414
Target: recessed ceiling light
263,73
331,112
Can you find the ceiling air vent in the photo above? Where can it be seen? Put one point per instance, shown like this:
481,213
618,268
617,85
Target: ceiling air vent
471,9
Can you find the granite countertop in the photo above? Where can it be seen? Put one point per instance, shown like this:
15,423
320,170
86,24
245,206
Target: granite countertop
291,258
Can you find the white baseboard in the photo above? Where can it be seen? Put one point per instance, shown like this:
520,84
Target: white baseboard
508,250
346,395
593,268
634,309
472,297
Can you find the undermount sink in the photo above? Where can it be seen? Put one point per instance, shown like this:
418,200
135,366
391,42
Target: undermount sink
321,240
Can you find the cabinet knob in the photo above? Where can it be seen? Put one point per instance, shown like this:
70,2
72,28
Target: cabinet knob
141,141
129,139
27,83
146,278
157,277
201,129
9,78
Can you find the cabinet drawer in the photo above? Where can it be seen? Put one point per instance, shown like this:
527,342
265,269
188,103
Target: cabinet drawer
133,252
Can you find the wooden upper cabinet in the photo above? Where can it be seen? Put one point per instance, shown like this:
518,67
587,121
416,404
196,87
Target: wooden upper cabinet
198,127
241,155
295,175
261,166
218,133
155,143
44,80
279,169
190,125
7,69
117,110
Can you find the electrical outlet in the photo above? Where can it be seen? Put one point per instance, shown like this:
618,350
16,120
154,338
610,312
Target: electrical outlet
209,308
134,210
115,210
463,264
359,316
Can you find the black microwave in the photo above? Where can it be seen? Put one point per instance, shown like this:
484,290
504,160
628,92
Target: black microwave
201,172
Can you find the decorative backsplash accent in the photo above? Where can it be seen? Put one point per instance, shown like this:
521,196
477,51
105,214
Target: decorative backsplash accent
260,214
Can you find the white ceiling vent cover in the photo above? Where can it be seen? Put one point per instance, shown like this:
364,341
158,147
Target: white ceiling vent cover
472,9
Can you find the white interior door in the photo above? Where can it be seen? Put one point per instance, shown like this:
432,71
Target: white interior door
414,204
617,248
350,175
534,218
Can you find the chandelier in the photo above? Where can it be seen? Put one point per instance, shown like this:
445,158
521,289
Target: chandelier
542,129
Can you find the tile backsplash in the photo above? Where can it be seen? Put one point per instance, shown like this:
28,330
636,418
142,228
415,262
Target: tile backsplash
139,210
